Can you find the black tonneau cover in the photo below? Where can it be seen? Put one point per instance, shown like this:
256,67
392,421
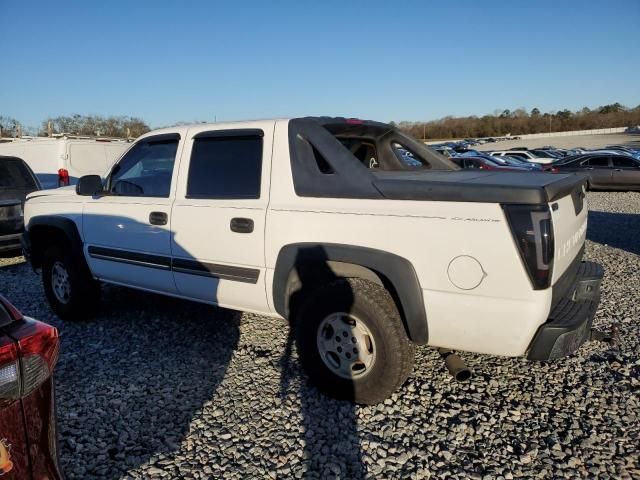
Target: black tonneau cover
476,186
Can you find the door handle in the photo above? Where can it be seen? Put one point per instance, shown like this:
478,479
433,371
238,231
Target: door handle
158,218
241,225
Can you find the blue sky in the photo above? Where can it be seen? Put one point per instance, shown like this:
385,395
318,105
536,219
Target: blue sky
413,60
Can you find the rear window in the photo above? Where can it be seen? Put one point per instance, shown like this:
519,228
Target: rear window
14,174
380,147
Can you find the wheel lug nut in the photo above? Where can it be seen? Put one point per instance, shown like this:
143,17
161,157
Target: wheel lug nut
338,339
353,339
355,350
345,334
348,355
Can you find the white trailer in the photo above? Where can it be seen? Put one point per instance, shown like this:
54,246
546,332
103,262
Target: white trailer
62,160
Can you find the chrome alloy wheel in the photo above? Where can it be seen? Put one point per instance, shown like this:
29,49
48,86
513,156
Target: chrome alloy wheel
60,283
346,345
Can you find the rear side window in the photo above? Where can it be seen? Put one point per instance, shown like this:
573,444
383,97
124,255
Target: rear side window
14,174
223,167
598,162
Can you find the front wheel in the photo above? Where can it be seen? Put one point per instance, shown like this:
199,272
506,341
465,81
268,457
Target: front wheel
352,342
71,291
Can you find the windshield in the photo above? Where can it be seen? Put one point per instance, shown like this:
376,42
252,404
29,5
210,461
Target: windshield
14,174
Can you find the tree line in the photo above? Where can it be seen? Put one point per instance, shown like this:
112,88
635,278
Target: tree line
516,122
521,121
84,125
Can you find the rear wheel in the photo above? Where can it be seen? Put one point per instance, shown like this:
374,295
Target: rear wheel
71,291
352,342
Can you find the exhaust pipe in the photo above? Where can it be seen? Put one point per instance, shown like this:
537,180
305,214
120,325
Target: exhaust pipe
612,337
456,366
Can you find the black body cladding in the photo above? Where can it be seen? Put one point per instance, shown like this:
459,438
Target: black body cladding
347,177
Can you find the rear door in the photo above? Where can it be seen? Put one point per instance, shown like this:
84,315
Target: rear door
127,232
218,218
626,172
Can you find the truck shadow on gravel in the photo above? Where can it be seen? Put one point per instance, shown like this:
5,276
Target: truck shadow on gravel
120,405
331,440
618,230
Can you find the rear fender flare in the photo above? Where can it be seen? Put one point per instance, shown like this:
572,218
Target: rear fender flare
392,271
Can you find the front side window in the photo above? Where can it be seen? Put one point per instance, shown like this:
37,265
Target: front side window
145,170
225,167
624,162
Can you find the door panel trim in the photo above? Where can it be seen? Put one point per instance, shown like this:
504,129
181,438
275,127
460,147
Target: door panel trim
180,265
223,272
133,258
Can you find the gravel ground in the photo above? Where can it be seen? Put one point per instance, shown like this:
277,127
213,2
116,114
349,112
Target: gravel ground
161,388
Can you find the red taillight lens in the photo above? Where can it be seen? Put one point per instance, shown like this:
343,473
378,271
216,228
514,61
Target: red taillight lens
555,170
484,167
63,177
28,355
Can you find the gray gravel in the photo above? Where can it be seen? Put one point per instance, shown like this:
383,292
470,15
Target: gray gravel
161,388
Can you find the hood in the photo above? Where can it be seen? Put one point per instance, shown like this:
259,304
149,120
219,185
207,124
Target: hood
71,189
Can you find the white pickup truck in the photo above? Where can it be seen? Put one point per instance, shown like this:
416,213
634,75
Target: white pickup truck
368,251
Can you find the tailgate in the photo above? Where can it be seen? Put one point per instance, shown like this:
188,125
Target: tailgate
569,215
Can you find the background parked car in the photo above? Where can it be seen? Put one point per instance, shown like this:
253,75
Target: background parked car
605,171
504,161
28,355
16,181
483,163
541,157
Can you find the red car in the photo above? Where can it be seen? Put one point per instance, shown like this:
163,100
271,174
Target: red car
28,355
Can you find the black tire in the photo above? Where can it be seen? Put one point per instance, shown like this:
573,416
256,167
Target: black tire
84,291
371,304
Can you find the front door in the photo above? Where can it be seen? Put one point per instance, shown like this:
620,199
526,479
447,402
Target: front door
599,171
127,231
218,217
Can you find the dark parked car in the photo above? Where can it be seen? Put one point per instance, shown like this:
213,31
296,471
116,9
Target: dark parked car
482,163
28,355
604,171
16,181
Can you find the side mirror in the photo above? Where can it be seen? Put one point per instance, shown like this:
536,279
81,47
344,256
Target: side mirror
89,185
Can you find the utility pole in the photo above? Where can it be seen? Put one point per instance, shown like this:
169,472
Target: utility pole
49,128
424,131
550,118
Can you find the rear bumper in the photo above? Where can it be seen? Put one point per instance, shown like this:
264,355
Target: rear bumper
569,323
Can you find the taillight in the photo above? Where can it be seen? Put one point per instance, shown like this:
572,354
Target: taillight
28,355
532,231
63,177
555,170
